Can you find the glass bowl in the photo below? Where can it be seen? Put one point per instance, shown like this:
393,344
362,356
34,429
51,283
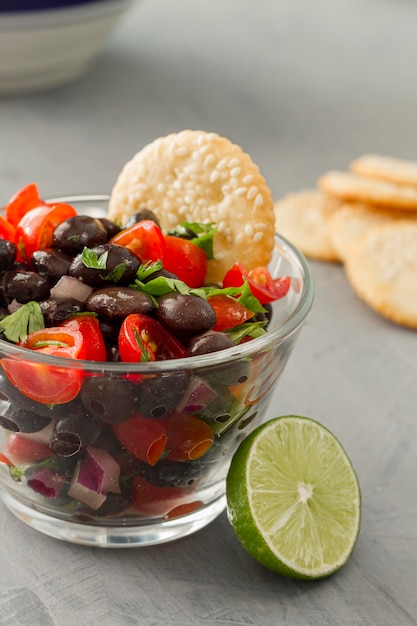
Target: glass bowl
133,454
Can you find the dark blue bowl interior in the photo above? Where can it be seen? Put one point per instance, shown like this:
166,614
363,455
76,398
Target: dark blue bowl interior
16,6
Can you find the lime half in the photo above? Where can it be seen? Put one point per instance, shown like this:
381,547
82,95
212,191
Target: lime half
293,498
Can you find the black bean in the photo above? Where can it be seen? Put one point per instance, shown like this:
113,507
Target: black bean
121,266
111,227
112,400
73,432
212,341
139,216
72,235
51,263
56,311
23,421
185,315
8,252
159,396
22,286
119,302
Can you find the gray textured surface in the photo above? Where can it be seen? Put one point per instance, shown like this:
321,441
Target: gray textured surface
303,87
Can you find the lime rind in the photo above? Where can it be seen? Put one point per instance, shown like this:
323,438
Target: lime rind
294,498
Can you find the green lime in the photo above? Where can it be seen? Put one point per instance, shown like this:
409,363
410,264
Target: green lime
293,498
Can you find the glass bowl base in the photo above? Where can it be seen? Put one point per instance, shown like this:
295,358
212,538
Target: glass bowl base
115,536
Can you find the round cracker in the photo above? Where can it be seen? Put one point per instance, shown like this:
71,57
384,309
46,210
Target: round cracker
388,168
195,176
302,217
350,187
382,269
350,222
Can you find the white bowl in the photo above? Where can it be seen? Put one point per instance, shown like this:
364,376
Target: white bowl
47,48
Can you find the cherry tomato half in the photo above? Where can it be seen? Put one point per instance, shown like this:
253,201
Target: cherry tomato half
43,383
7,230
23,201
35,229
93,341
20,450
185,260
229,312
189,437
148,499
263,286
46,383
145,439
143,338
144,239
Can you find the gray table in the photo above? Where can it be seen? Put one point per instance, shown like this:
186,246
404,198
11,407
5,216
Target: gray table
303,87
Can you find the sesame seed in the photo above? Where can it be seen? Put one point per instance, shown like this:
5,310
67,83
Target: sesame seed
209,160
182,209
239,239
221,226
172,218
234,183
259,200
160,187
240,191
197,155
235,171
182,151
247,179
221,164
233,162
252,193
248,230
258,237
214,176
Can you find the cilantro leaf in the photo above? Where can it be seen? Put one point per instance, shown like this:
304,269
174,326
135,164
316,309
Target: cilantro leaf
248,329
243,294
94,261
202,235
18,325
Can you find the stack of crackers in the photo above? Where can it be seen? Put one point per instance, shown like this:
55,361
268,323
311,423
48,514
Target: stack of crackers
366,219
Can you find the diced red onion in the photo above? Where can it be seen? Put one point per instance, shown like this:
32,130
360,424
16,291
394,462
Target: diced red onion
93,477
46,482
70,287
198,395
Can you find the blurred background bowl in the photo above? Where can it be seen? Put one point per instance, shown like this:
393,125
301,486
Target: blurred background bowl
48,43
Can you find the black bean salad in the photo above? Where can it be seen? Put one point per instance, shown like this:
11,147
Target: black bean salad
87,289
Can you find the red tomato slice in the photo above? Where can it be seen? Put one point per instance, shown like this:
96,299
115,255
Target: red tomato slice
23,201
93,341
189,437
229,312
143,338
7,230
21,450
144,239
44,383
57,341
35,229
275,288
145,439
185,260
262,285
148,499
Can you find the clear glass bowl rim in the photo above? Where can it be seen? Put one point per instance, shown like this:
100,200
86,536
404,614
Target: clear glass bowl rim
274,336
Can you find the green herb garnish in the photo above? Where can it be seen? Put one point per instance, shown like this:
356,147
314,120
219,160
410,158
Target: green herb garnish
26,320
202,235
94,261
248,329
